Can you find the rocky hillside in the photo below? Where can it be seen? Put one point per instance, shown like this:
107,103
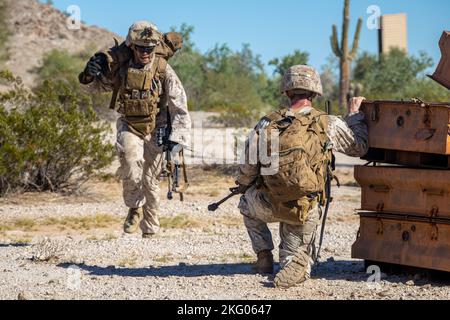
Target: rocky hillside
37,28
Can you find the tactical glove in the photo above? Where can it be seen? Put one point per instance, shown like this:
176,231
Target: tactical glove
96,66
240,189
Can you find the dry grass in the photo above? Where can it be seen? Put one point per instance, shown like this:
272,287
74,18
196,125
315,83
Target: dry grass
22,224
21,240
212,182
92,192
105,237
188,222
100,227
209,181
240,258
128,262
164,259
27,228
230,221
99,221
182,222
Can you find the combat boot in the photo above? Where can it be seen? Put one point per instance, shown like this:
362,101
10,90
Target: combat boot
264,265
295,272
131,224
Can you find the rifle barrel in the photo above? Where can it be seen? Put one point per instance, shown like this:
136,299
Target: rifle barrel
215,206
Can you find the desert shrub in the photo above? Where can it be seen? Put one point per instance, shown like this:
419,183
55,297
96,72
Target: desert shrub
238,116
48,142
397,75
62,68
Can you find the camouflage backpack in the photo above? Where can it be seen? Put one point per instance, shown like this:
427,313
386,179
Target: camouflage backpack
122,53
305,160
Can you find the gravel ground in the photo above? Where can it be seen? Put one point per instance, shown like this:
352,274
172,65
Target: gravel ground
209,261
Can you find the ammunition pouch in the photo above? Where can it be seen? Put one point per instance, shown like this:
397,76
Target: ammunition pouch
138,101
141,126
295,212
136,108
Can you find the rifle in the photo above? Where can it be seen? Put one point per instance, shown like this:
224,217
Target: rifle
330,169
215,206
234,192
172,168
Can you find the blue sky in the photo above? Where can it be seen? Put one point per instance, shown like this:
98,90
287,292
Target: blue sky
272,28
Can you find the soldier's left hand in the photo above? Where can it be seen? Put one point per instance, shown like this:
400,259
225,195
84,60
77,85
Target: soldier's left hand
240,189
354,104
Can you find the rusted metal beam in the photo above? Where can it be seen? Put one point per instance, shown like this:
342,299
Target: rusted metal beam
410,159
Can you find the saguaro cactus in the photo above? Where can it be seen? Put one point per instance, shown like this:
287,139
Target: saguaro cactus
345,56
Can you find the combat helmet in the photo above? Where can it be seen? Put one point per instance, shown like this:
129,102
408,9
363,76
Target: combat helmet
144,34
302,78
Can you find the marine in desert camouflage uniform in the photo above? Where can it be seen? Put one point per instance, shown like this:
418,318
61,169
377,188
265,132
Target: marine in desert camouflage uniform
147,88
297,248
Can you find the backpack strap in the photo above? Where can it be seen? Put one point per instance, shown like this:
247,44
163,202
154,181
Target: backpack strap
276,115
270,118
121,74
161,67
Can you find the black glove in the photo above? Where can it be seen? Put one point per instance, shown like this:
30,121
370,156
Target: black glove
96,66
240,189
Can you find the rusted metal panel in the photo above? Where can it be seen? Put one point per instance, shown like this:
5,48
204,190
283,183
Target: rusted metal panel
442,74
410,242
405,191
406,158
408,126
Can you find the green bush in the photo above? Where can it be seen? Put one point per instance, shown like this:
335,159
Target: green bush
62,68
396,76
239,116
48,142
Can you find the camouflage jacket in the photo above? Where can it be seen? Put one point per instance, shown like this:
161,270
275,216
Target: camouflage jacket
347,135
172,96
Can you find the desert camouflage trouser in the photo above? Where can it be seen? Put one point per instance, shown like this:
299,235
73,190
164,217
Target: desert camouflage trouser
140,169
257,212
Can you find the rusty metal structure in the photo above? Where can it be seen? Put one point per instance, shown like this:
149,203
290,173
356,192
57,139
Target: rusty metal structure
405,202
405,208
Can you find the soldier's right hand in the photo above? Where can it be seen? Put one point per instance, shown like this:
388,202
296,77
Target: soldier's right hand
354,104
94,67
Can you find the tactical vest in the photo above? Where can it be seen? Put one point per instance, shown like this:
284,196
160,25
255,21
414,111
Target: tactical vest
305,158
139,94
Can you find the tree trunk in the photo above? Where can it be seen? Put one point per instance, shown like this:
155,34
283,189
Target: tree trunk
344,85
